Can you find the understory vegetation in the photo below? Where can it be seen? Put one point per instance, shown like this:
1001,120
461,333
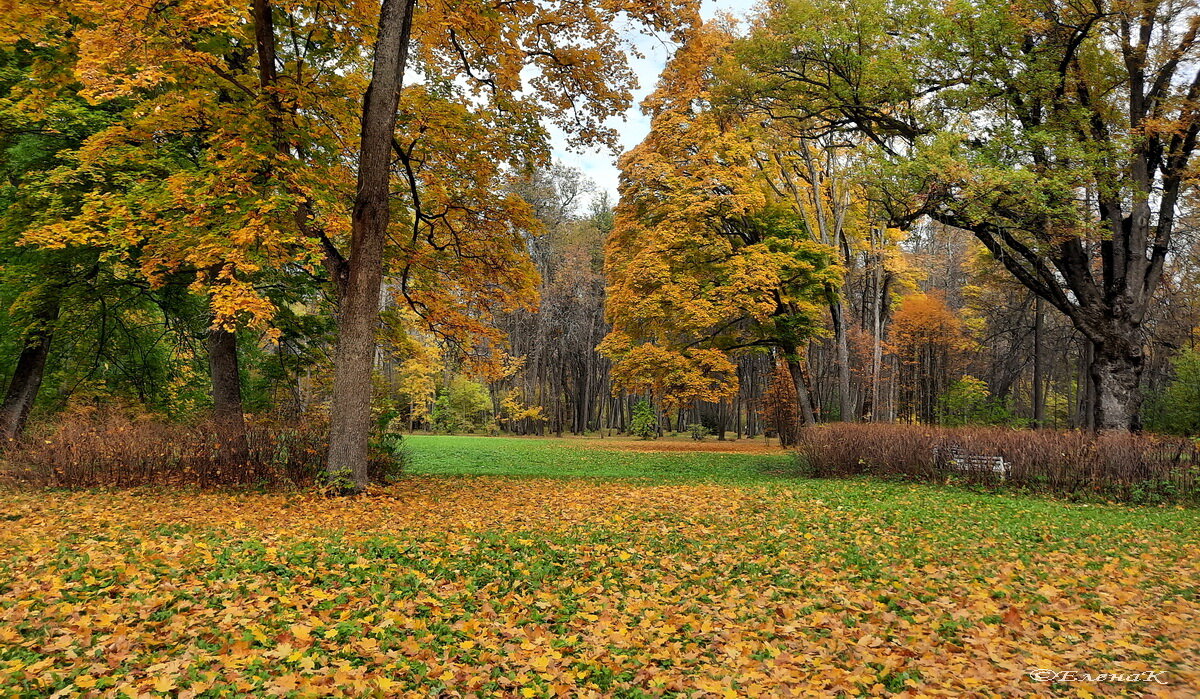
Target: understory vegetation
116,449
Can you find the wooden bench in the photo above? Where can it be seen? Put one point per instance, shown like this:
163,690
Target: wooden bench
959,460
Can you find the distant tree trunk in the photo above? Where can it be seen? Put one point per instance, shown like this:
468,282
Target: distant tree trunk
803,396
228,412
31,366
837,315
350,412
874,411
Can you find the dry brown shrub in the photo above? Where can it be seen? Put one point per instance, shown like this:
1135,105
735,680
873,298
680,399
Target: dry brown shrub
1122,467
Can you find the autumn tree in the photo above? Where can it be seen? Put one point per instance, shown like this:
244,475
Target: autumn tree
176,186
701,261
358,302
35,127
1059,134
254,149
928,342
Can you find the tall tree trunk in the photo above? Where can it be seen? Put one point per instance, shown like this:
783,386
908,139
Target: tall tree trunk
350,412
837,315
1039,385
1116,372
31,366
228,413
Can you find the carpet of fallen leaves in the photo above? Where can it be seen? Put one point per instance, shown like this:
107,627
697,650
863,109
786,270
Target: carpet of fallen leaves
459,586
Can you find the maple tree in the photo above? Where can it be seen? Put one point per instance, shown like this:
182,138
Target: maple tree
75,302
246,158
701,261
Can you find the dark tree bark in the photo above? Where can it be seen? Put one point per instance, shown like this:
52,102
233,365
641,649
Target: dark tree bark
24,387
350,412
803,395
228,412
1039,386
27,375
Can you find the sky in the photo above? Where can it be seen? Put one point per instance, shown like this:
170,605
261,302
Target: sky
601,166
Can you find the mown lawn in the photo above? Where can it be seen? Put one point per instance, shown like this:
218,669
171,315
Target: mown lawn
702,575
569,458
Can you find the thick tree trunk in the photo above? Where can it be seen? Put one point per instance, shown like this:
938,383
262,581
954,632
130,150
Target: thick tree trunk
1116,373
31,366
350,412
24,386
228,413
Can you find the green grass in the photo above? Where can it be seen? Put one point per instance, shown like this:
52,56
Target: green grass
566,458
473,455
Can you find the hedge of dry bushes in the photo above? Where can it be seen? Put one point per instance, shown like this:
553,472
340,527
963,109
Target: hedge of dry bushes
118,450
1134,468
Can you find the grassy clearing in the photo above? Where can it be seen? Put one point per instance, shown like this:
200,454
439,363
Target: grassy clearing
573,458
712,577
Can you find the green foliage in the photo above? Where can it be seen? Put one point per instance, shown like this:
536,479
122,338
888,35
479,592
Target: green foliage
698,431
644,422
464,406
1176,409
969,402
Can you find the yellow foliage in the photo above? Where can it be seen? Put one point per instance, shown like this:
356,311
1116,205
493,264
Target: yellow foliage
703,260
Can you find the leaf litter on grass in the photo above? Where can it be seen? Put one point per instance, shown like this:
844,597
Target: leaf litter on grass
535,587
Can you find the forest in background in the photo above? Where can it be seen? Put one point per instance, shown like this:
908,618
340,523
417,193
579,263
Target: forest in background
959,343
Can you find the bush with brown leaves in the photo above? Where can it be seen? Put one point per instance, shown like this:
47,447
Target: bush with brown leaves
1123,467
119,450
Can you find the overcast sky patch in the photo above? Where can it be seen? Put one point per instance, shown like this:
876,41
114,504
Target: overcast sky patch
601,166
